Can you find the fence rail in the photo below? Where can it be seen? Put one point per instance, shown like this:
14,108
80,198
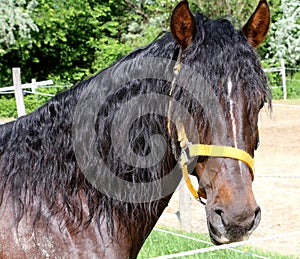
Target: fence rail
31,85
18,87
282,71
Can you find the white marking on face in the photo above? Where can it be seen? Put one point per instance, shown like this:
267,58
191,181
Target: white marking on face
233,122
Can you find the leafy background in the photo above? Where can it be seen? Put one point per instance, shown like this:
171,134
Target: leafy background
67,41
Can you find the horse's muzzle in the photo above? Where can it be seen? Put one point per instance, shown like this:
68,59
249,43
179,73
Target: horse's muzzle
225,228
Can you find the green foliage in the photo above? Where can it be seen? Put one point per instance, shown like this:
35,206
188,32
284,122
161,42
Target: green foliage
8,108
240,10
15,22
32,102
275,81
274,78
65,48
80,37
284,39
292,85
277,93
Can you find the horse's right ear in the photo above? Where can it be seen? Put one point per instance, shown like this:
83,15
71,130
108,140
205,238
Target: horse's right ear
183,24
257,27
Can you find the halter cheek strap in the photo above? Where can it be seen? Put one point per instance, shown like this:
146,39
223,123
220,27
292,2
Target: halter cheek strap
219,151
189,150
211,151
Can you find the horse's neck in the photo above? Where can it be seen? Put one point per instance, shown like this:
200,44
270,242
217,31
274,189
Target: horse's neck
141,230
55,236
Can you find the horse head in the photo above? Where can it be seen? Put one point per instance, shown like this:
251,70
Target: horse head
230,71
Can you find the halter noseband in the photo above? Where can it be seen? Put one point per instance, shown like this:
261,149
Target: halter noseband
189,150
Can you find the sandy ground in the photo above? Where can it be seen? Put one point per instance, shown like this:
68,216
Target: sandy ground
276,185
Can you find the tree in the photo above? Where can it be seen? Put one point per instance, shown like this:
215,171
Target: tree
80,37
15,21
239,10
284,40
71,35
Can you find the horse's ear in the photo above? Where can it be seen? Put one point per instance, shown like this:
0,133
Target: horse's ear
257,27
183,24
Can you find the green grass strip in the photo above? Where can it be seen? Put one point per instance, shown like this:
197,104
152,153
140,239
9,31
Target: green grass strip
159,243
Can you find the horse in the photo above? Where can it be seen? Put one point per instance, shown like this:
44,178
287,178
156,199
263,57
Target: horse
88,174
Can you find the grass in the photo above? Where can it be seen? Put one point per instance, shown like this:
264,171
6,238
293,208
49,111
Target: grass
159,243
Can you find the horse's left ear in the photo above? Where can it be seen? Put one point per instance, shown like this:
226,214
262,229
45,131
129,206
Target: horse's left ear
257,27
183,24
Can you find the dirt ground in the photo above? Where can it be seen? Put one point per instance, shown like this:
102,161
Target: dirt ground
276,185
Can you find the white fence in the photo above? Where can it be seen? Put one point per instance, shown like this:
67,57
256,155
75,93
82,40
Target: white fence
18,87
283,76
283,71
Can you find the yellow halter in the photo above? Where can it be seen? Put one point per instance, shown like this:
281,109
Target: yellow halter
189,150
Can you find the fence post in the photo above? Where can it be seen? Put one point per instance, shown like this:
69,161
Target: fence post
184,208
283,79
18,91
33,86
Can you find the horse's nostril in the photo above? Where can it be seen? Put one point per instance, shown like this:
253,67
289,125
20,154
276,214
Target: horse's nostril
220,214
257,212
256,219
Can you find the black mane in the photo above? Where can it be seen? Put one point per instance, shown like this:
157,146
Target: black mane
37,153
